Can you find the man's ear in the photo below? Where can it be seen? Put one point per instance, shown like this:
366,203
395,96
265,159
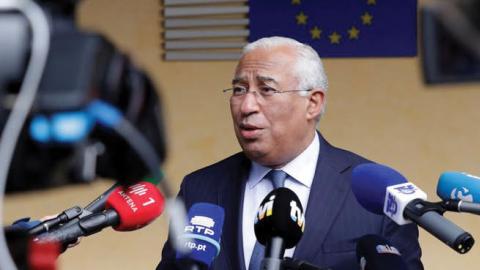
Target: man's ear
315,103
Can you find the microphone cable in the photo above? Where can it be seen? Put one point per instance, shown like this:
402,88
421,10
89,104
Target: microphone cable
24,101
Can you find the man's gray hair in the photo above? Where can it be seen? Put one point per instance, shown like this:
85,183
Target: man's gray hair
308,68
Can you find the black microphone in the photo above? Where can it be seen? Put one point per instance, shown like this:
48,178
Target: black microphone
85,226
98,204
279,225
64,217
376,253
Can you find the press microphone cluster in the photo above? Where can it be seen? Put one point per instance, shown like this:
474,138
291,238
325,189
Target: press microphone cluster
125,209
384,191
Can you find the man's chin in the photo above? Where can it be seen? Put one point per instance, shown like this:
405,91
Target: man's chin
252,149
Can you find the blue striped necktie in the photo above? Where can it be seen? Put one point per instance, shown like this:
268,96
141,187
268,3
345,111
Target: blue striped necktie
277,177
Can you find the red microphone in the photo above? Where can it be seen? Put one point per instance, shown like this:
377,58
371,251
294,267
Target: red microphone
127,209
136,206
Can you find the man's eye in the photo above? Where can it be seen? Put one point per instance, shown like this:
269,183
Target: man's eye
239,90
268,90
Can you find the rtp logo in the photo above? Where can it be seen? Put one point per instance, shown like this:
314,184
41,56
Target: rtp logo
201,225
392,206
406,189
461,194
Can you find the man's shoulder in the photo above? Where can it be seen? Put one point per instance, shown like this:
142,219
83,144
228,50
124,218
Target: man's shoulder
221,169
338,155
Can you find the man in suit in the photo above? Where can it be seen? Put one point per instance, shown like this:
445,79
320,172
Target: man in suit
277,99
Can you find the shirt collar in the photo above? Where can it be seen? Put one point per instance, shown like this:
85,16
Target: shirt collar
301,168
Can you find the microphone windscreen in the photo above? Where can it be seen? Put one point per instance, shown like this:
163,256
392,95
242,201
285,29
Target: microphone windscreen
280,214
137,205
203,232
459,186
370,182
376,253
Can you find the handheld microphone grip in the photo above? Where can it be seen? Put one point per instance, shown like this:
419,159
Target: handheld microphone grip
442,228
274,251
86,226
63,217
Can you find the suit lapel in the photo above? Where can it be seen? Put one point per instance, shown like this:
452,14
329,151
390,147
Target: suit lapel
231,197
327,194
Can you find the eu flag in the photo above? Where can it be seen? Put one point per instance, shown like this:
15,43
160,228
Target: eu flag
340,28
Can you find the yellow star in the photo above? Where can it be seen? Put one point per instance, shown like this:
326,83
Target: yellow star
335,38
369,2
296,2
367,18
353,33
315,32
301,18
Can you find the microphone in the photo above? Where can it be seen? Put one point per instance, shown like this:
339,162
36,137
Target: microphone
98,204
376,253
202,236
460,192
459,186
126,210
279,225
72,215
384,191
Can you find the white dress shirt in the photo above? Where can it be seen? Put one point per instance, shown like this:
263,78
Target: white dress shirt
300,170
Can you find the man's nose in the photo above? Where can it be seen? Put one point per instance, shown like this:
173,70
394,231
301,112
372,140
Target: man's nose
249,103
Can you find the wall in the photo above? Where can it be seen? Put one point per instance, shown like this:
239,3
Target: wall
379,108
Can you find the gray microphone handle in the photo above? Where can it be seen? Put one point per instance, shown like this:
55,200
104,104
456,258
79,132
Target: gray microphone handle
442,228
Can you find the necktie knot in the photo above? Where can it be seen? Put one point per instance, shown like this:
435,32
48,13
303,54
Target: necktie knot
277,177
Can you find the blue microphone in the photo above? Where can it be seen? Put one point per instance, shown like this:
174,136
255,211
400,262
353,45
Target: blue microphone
459,186
460,192
202,236
369,183
382,190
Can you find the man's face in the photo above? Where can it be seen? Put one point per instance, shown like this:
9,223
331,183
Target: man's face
275,129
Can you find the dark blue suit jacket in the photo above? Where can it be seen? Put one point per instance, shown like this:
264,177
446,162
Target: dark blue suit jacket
333,220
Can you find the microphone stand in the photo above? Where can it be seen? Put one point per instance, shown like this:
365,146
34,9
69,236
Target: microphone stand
461,206
274,251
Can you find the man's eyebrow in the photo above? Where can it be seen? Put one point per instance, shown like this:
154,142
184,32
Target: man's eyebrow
266,79
259,78
238,80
